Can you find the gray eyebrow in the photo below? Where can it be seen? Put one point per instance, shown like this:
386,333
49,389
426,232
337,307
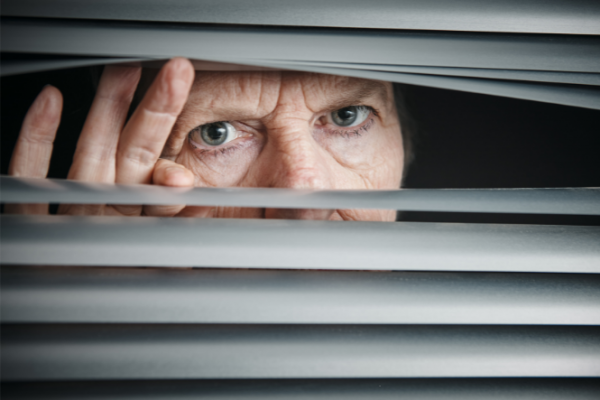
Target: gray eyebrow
357,95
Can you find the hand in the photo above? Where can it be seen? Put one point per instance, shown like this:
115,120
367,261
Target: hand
109,150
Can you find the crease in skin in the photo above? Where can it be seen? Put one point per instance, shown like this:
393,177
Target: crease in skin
290,124
260,98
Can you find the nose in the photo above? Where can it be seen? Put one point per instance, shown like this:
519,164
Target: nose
294,160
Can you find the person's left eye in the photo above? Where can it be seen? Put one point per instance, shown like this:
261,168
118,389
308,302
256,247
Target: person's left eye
350,116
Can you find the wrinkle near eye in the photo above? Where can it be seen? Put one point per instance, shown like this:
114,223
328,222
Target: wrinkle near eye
267,81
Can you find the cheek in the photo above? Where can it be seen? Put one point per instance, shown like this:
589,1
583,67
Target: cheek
224,167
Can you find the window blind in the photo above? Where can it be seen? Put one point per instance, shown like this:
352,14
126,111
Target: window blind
307,309
306,50
516,16
582,201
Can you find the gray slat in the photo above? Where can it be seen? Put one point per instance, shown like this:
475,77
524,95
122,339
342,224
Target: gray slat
189,242
74,352
576,78
24,66
527,85
469,50
309,389
578,201
585,96
42,62
255,47
134,295
531,16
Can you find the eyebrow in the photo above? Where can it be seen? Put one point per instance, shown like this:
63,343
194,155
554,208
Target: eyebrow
357,95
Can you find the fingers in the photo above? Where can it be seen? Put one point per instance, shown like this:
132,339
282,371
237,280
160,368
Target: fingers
169,173
146,132
33,151
94,158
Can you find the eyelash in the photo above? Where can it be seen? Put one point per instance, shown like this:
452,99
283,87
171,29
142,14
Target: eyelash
347,133
221,151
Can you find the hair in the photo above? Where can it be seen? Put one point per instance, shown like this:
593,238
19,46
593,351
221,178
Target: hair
408,125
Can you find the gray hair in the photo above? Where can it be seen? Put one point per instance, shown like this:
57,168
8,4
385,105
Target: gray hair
408,125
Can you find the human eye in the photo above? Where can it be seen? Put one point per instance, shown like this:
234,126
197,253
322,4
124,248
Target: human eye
213,134
350,116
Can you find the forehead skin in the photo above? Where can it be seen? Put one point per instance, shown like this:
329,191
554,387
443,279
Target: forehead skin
289,145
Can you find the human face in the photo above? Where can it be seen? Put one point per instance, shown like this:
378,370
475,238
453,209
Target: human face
284,130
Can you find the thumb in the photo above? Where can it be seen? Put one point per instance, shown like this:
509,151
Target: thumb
169,173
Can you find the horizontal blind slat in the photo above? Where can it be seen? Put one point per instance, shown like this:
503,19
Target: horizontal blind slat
37,63
69,352
133,295
582,201
18,63
585,96
256,47
443,49
517,16
238,243
578,78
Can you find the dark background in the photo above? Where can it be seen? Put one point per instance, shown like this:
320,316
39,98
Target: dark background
464,140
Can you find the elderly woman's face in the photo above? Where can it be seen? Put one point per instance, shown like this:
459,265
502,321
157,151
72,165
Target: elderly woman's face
289,130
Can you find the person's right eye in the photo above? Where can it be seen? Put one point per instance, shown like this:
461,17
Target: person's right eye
213,134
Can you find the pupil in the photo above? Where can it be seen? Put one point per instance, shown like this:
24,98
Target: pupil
215,133
346,114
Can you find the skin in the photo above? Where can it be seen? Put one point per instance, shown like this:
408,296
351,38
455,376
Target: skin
284,138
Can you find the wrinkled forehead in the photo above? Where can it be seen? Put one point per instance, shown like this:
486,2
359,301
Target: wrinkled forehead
263,91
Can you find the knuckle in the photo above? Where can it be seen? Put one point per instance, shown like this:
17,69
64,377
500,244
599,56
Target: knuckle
142,156
127,211
166,116
36,136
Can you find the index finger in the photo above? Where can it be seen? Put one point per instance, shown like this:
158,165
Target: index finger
144,136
